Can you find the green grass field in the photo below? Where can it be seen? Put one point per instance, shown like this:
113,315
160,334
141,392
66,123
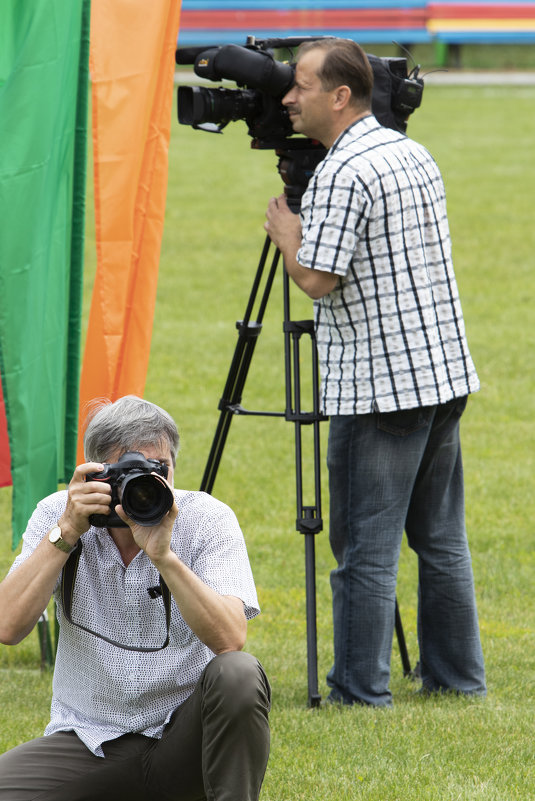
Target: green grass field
424,749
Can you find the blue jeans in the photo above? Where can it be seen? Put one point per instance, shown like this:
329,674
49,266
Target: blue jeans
388,473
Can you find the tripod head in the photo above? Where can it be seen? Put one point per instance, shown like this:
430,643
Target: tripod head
296,167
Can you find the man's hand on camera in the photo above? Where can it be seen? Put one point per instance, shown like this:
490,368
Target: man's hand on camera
84,498
154,540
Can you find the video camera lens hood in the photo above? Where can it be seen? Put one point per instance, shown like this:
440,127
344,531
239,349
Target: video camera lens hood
253,68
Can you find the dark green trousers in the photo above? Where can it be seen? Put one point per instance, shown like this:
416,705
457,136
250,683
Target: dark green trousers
215,747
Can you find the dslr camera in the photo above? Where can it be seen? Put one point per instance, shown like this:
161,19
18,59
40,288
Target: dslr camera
139,485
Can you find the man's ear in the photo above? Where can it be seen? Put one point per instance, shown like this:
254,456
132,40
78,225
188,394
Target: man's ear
342,96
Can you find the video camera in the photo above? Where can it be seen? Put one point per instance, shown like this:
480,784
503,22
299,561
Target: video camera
395,94
139,485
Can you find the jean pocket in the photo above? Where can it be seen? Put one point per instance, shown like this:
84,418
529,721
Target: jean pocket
406,421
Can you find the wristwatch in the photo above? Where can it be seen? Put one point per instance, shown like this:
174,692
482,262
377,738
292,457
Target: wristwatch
56,539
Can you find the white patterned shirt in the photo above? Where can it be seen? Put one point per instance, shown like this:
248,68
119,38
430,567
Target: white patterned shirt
101,691
391,334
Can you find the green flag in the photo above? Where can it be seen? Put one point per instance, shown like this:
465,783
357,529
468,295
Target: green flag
44,50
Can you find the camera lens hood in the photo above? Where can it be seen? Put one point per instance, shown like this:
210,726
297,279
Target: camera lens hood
146,498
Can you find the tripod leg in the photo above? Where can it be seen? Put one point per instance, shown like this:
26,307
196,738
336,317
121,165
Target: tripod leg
404,654
248,333
308,521
314,698
232,395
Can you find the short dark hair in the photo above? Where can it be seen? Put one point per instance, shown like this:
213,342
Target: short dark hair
345,64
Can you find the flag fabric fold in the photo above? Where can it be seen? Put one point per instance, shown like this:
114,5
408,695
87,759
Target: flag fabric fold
132,64
43,110
5,455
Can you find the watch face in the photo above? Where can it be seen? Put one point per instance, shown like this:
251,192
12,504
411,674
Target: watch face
55,539
55,534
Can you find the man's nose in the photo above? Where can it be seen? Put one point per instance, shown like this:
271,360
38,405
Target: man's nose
287,99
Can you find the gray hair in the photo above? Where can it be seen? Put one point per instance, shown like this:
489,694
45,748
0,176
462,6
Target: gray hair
127,424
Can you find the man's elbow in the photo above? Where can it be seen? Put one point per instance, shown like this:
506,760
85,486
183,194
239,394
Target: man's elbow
233,639
238,645
316,284
315,292
9,635
235,643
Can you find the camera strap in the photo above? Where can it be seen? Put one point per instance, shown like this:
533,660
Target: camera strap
67,589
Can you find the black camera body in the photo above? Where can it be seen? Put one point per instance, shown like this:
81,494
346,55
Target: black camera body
139,485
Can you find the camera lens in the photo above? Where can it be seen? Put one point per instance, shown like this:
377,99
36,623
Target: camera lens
146,498
198,104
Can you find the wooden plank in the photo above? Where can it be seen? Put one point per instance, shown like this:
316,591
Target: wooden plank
311,20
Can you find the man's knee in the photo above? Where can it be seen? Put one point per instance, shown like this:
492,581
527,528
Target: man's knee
237,680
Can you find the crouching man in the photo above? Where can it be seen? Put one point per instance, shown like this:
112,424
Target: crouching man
153,697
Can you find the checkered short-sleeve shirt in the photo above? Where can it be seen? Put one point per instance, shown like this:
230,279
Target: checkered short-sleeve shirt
391,334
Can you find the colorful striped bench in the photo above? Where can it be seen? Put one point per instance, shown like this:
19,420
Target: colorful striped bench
230,21
453,24
482,22
448,24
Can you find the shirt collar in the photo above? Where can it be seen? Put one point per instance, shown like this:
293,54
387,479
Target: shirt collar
363,122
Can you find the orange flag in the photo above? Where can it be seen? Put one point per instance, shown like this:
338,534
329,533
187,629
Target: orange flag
132,62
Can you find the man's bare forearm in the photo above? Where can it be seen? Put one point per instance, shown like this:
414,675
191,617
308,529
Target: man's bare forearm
26,592
217,620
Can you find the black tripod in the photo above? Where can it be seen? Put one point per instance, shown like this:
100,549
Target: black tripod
308,521
295,168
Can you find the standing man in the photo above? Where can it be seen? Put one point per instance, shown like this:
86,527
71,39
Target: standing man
133,717
372,248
